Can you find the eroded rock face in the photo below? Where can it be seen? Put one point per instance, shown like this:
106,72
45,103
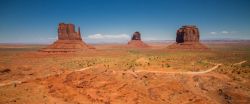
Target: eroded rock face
67,32
136,36
68,40
187,37
136,41
187,33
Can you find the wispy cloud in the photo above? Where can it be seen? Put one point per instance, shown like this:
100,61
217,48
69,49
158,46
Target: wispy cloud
213,33
223,32
100,36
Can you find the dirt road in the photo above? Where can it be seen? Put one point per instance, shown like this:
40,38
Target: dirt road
164,72
139,71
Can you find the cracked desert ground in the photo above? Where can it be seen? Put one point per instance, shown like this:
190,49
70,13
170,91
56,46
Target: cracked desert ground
112,74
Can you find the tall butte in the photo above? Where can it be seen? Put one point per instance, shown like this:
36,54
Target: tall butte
136,41
68,40
187,37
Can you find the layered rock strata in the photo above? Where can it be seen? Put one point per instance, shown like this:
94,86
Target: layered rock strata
68,40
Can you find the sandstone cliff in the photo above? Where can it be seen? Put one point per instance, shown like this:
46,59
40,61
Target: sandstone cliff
68,40
136,41
187,37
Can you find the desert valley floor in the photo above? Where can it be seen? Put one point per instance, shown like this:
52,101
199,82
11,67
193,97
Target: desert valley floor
112,74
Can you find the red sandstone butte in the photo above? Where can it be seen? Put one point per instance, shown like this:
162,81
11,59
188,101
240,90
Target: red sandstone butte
187,37
136,41
187,34
68,40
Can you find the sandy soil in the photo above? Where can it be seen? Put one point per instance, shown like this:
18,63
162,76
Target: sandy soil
113,74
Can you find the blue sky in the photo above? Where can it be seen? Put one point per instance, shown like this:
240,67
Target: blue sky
35,21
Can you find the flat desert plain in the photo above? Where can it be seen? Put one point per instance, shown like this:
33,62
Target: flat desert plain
112,74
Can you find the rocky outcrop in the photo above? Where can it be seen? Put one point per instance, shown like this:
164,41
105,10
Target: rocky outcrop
68,40
187,37
136,36
187,33
67,32
136,41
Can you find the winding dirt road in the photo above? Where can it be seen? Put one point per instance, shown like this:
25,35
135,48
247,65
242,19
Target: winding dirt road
139,71
239,63
164,72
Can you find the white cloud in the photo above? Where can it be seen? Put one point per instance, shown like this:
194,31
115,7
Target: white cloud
95,36
100,36
225,32
213,33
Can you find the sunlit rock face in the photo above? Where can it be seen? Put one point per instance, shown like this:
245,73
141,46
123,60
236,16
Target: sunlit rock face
67,32
187,33
68,40
187,37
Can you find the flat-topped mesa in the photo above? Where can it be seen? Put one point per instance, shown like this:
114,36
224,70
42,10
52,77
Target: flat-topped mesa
68,40
187,33
67,32
136,41
187,37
